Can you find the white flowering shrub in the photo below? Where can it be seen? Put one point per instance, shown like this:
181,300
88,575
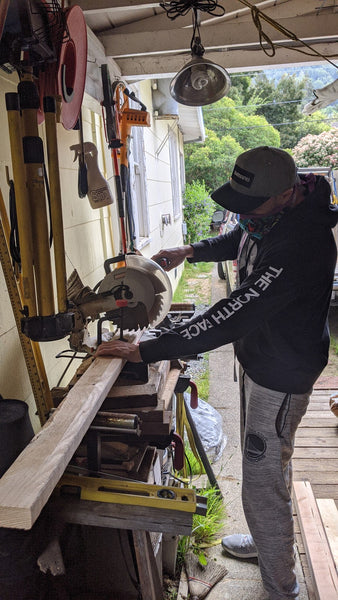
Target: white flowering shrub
317,150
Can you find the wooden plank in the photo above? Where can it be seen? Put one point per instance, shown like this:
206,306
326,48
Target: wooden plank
320,476
309,465
321,414
120,516
326,432
319,405
319,421
325,491
317,442
329,515
150,583
170,387
314,453
322,568
29,482
128,395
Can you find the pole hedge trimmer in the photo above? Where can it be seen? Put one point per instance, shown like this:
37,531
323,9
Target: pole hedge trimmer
119,119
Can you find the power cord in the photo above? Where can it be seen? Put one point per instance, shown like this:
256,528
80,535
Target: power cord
258,16
177,8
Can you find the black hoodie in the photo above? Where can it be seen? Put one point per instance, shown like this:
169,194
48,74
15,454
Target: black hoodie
277,316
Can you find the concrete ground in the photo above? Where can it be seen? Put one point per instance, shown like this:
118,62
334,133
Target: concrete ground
243,581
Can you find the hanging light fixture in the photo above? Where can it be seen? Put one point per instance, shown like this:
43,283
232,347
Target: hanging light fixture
200,81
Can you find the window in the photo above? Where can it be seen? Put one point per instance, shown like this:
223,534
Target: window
175,173
137,166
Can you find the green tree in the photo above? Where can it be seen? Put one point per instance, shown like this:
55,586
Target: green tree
198,209
317,150
241,88
211,162
282,107
248,129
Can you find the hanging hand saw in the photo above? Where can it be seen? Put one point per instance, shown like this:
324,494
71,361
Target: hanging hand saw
30,349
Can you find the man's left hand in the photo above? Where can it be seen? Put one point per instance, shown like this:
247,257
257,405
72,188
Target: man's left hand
119,349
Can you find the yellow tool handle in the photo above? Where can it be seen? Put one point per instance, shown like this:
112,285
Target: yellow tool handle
56,203
31,350
22,202
34,163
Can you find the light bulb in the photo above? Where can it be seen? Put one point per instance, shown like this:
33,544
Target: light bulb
199,77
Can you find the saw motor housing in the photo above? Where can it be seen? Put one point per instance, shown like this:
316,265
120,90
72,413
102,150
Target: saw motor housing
135,294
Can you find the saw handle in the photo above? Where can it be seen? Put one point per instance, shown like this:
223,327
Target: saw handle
110,261
132,96
193,395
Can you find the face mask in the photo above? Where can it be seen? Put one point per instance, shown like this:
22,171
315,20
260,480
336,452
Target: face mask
258,227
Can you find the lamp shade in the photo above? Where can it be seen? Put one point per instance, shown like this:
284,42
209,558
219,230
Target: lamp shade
200,82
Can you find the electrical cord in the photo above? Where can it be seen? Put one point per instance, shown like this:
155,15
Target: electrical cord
177,8
258,15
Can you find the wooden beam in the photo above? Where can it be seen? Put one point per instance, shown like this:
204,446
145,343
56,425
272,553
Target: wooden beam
234,10
27,485
322,568
234,61
120,516
224,35
329,515
91,7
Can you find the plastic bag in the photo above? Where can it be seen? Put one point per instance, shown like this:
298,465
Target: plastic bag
209,425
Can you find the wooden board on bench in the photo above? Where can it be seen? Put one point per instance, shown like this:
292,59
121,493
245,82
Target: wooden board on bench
321,564
27,485
125,394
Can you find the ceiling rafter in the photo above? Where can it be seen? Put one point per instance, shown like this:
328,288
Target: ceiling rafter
233,61
142,40
224,35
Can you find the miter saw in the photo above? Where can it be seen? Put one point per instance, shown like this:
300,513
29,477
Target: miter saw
135,293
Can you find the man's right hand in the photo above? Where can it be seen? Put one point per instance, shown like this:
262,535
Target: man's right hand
172,257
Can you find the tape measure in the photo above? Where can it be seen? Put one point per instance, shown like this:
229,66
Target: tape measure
30,349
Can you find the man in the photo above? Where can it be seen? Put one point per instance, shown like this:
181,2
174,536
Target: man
277,319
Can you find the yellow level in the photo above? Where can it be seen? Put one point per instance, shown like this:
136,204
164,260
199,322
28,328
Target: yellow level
30,349
129,493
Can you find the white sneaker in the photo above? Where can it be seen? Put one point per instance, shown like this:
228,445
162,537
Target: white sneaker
240,545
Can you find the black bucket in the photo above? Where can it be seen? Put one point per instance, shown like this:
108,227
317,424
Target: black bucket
16,431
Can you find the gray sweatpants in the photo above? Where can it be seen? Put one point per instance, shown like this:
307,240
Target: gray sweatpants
269,420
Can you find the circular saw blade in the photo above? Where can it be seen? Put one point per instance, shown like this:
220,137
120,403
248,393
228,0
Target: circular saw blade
144,288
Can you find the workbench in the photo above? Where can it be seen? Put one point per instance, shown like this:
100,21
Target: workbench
27,489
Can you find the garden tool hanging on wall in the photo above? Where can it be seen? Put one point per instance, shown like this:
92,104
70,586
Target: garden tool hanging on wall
47,45
98,190
40,322
119,119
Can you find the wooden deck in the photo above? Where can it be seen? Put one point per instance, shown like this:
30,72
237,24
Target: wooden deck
316,455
